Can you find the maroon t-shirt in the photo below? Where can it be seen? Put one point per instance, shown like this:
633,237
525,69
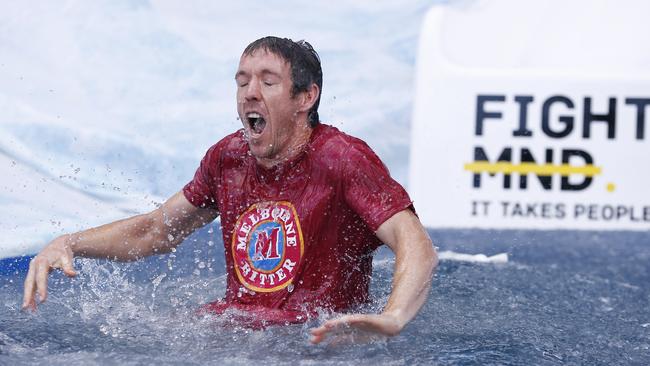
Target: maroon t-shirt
298,236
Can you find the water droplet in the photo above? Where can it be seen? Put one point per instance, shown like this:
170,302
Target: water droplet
156,281
290,287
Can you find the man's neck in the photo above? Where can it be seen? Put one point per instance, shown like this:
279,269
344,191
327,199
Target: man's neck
294,148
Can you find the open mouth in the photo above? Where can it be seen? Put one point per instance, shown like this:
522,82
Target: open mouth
256,122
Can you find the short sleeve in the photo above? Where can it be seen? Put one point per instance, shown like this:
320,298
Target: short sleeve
368,187
201,190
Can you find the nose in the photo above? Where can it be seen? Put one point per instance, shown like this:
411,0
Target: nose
252,90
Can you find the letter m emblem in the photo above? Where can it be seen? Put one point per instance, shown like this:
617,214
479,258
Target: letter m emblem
266,246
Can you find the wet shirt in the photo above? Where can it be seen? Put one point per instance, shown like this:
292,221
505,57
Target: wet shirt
298,236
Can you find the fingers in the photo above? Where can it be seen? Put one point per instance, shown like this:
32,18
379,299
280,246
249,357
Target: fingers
339,332
30,289
331,326
35,282
39,269
319,334
358,327
42,270
66,266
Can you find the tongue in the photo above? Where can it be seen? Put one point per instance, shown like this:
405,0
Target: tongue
258,125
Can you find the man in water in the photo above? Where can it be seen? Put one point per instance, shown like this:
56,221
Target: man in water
302,207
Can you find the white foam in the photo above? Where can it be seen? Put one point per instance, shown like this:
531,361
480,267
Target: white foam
473,258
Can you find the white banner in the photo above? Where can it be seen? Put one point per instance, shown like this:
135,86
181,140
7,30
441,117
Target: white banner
512,148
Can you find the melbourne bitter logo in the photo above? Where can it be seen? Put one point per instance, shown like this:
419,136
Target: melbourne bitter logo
267,246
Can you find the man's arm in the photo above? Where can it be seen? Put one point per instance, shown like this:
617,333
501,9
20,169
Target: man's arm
130,239
415,262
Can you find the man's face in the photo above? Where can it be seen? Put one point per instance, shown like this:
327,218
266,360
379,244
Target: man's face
265,105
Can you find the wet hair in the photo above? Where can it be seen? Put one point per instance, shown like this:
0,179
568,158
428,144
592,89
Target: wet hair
303,61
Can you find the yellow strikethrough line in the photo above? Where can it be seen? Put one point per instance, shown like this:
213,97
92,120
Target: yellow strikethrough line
526,168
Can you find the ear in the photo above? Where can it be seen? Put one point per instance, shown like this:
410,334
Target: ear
308,98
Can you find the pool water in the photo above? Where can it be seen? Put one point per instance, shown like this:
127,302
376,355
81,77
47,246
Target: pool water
564,297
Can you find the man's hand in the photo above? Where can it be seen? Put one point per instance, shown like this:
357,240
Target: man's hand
57,254
415,261
130,239
357,328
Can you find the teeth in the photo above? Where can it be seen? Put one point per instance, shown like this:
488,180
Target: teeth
256,122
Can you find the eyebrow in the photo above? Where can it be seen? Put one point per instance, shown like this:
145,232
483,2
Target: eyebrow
264,72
